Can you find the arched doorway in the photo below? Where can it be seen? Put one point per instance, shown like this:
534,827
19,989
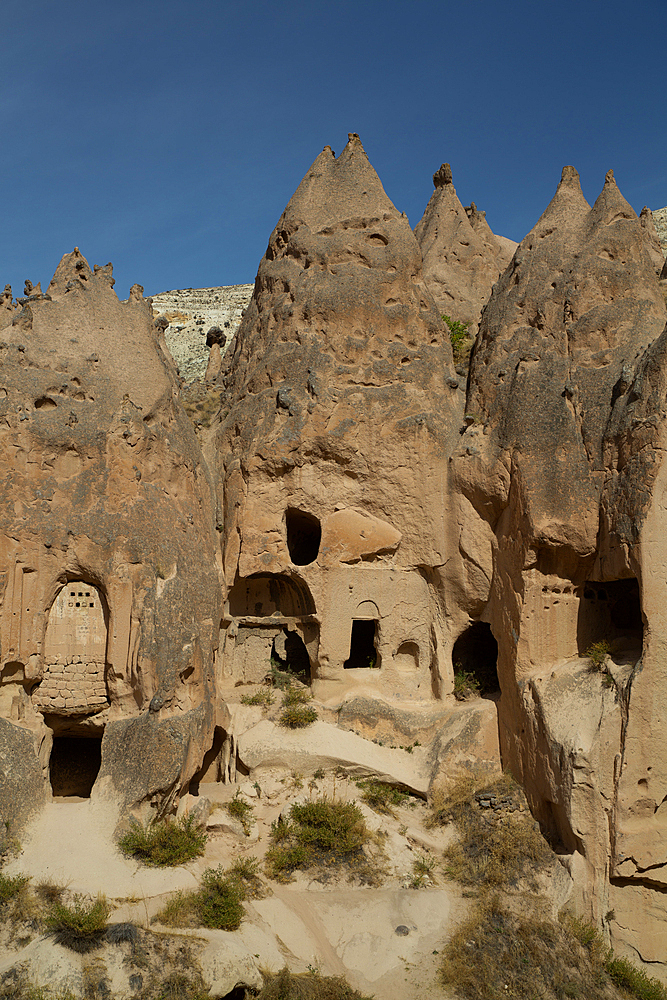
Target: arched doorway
475,652
72,695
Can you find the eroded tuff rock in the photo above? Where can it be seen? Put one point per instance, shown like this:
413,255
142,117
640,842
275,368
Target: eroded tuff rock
108,583
566,386
343,410
462,257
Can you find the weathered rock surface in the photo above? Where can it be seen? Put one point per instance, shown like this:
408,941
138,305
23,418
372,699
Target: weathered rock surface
104,494
462,257
343,409
195,319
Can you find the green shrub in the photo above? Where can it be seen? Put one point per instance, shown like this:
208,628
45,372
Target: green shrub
242,811
597,655
466,684
80,926
460,339
12,886
296,712
165,843
380,796
635,981
263,697
219,900
317,834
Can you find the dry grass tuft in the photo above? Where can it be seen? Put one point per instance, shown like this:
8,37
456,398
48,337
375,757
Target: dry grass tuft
286,985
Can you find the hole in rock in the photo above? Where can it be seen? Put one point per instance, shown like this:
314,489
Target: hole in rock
264,595
290,655
476,652
304,534
74,765
406,656
611,611
363,650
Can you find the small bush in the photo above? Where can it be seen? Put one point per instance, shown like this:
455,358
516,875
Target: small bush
263,697
380,796
80,926
296,712
466,685
242,811
286,985
218,902
12,886
597,654
460,339
628,977
317,834
165,843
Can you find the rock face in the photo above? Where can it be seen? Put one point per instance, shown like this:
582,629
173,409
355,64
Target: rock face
462,257
566,385
196,318
352,517
343,409
108,582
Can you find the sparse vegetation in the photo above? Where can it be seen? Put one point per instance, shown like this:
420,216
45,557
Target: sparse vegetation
296,712
165,843
218,901
263,697
80,926
494,848
286,985
241,810
460,339
466,685
597,654
12,886
317,835
381,797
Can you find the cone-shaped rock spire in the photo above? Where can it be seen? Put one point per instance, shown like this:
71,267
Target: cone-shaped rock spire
462,258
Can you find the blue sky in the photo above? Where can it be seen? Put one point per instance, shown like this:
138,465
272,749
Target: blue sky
168,136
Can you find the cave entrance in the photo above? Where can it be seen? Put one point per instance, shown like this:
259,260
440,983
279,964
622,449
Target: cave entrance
363,644
611,611
289,654
476,652
74,765
304,534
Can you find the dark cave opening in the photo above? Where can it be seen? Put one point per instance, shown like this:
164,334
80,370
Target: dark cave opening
290,655
476,652
304,534
74,765
363,649
611,611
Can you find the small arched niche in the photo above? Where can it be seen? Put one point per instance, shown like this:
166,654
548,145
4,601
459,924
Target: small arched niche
611,611
406,657
304,534
476,652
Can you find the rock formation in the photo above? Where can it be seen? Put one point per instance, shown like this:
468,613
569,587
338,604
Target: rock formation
462,257
191,314
109,589
358,517
562,398
341,411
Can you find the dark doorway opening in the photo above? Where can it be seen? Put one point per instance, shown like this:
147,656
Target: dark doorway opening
476,652
304,534
74,765
290,655
611,611
363,651
214,763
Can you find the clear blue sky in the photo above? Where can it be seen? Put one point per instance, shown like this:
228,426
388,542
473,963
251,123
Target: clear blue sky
167,136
